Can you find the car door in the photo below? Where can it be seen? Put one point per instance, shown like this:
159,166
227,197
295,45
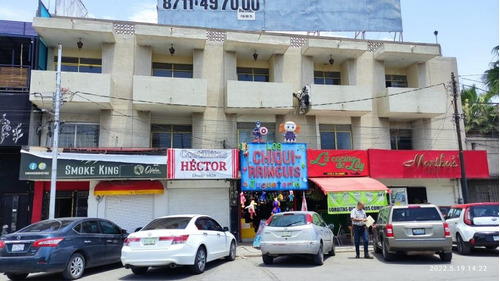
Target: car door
91,242
220,237
113,240
453,220
209,237
323,230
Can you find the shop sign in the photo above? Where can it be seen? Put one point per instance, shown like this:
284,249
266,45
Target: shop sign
202,163
273,166
38,166
337,163
426,164
344,202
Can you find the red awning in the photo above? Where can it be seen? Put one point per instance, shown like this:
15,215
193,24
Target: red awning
349,184
128,188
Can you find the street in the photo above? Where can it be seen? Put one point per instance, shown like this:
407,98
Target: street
480,265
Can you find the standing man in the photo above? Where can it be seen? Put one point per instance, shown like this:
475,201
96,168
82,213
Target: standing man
358,217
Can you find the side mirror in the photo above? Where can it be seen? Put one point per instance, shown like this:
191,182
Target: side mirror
225,228
138,229
124,232
331,226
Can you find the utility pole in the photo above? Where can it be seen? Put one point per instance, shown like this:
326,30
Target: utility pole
456,115
55,136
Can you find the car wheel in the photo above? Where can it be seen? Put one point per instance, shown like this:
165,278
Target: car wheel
267,259
462,246
232,252
385,252
200,260
376,246
319,258
445,256
16,276
139,270
75,267
332,251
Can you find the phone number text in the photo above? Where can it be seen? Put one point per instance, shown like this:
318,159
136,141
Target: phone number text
224,5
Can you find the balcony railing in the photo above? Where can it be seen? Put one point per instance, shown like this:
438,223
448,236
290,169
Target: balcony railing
14,78
340,100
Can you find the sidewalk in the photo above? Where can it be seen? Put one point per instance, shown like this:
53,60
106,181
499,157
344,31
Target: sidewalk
246,249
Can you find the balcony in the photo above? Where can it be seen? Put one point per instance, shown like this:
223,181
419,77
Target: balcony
337,100
403,55
340,49
86,92
411,103
258,97
175,95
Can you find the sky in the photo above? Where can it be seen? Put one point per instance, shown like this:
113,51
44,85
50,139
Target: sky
467,30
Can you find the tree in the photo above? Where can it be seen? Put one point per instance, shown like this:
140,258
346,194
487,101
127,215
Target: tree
490,76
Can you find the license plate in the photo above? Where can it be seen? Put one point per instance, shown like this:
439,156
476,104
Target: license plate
149,241
17,247
418,231
286,234
495,238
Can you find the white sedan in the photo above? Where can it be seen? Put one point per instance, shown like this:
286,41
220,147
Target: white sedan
191,240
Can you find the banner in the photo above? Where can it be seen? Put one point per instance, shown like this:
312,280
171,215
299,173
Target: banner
273,166
427,164
202,163
344,202
336,163
284,15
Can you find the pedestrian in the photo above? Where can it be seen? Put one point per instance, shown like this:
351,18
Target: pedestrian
358,217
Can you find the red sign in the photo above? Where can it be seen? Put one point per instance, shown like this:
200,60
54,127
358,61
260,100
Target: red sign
337,163
426,164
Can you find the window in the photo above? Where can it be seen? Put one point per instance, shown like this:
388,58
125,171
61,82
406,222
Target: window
110,228
79,135
171,136
245,130
326,78
253,74
88,227
71,64
398,81
172,70
401,139
335,136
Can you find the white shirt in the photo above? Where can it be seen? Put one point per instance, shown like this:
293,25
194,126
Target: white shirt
358,214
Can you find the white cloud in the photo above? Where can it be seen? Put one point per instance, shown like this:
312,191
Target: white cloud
144,12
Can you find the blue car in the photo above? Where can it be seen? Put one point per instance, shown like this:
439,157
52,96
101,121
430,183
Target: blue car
67,245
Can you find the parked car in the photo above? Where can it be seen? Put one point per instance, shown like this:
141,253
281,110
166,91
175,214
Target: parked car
297,233
191,240
474,225
412,229
67,245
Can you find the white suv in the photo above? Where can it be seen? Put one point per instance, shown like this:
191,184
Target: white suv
472,225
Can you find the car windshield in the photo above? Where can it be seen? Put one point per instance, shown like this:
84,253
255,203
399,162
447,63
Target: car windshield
168,223
484,211
46,226
415,214
288,220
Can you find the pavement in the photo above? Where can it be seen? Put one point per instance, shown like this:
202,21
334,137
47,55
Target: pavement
246,249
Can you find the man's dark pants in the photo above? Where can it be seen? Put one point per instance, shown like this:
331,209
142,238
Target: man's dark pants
360,231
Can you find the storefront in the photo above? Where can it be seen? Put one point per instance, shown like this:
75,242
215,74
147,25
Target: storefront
272,178
425,176
125,186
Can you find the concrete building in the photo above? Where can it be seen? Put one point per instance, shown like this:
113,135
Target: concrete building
138,85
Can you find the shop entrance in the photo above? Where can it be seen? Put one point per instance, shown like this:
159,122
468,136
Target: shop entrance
68,204
15,211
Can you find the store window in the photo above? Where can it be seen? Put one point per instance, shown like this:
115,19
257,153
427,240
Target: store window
401,139
72,64
171,136
326,78
245,130
398,81
335,136
79,135
253,74
68,204
172,70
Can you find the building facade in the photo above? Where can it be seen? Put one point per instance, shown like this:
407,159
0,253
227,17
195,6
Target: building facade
138,85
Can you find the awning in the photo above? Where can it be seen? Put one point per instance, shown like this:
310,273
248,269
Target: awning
349,184
128,188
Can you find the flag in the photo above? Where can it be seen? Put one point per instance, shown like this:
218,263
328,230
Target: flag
304,202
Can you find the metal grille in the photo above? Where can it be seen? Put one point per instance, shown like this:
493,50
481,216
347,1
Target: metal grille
297,42
216,36
121,28
373,46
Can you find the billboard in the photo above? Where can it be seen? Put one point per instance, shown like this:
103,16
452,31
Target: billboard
284,15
